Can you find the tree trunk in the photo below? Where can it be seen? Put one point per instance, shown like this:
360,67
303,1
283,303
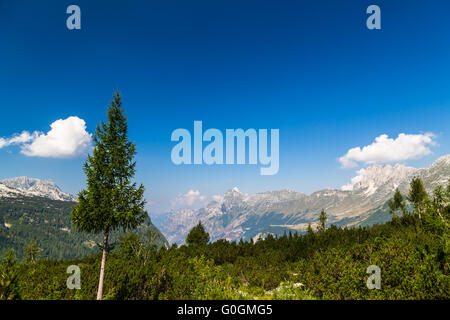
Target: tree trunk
102,268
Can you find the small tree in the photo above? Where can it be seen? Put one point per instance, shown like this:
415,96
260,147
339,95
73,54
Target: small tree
397,203
32,252
447,205
8,277
322,220
309,231
440,200
139,246
197,236
417,195
112,201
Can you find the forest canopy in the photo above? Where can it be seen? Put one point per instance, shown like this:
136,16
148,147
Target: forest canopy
412,252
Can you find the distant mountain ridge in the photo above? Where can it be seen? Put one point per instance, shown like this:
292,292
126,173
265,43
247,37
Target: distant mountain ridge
361,202
31,187
33,209
48,222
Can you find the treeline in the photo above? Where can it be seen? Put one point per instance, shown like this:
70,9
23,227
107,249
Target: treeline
26,221
412,252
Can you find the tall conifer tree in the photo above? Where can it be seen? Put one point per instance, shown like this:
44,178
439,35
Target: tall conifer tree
112,200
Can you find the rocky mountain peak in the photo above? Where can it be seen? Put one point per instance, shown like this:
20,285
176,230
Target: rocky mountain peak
372,178
25,183
234,195
444,160
26,186
233,198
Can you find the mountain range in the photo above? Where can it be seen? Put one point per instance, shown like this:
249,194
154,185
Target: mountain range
30,187
33,209
238,215
361,202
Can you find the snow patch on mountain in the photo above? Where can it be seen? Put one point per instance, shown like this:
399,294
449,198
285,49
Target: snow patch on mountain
372,178
24,186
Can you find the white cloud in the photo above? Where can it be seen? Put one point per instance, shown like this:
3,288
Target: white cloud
385,149
24,137
66,138
192,198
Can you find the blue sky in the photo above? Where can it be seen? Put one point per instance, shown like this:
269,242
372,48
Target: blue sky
308,68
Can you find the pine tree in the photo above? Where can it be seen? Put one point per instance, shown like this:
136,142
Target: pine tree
417,195
197,236
112,201
32,252
322,220
8,277
309,229
440,200
447,205
397,203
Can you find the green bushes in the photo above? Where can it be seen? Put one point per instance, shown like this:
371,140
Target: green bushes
411,251
8,277
330,265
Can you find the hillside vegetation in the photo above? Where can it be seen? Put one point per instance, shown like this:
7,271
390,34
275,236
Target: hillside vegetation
47,222
412,252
